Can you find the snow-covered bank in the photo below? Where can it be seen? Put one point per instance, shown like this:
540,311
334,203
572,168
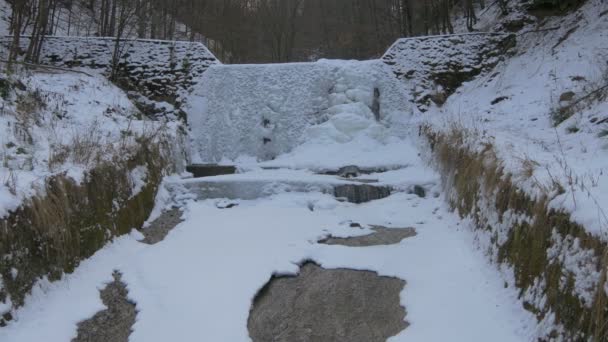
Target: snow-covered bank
515,108
522,151
81,162
78,167
46,114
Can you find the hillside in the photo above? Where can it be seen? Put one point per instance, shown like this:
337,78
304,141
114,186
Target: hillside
544,110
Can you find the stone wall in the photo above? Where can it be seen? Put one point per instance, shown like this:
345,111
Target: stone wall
156,74
434,67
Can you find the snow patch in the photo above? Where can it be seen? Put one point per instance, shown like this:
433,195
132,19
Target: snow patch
138,178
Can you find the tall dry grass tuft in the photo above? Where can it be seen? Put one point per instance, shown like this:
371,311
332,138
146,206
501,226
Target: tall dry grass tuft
525,229
67,222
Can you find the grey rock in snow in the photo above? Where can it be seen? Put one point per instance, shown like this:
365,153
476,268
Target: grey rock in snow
328,305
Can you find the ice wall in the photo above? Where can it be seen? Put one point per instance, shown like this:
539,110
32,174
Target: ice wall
263,111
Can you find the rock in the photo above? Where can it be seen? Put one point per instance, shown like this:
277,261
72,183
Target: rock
350,171
439,97
567,96
328,305
463,57
376,104
514,25
6,317
419,191
380,236
361,193
160,228
499,99
226,204
113,324
208,170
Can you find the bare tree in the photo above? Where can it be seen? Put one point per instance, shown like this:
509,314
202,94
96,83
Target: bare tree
279,17
246,30
124,19
469,13
19,9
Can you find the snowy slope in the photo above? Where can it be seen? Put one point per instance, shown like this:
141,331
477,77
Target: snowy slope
44,125
512,108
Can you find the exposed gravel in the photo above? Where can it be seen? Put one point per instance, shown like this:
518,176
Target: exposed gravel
159,228
328,305
381,236
113,324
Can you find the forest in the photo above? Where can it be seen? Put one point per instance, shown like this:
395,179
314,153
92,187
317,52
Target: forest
248,31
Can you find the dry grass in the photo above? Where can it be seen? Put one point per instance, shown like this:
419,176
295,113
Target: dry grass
51,233
528,167
28,108
480,188
90,147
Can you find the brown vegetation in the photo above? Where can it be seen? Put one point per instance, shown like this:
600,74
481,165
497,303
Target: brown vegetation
480,189
67,222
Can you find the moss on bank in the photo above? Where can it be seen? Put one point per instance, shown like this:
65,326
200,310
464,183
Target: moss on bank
53,232
522,230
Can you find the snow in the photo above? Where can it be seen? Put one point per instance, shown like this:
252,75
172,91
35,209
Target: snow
520,127
237,250
51,311
578,261
200,281
75,112
138,177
